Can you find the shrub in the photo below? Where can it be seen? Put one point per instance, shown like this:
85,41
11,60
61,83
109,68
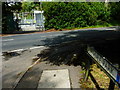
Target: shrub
60,15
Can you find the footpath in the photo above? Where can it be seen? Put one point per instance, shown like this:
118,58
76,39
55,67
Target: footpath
21,70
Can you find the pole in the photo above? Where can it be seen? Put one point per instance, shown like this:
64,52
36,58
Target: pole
87,71
41,16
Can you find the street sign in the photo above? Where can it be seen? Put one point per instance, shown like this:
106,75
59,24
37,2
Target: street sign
108,67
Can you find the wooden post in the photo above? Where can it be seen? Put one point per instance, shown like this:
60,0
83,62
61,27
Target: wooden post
87,71
87,74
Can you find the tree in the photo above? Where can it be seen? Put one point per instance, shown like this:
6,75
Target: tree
8,24
115,11
27,6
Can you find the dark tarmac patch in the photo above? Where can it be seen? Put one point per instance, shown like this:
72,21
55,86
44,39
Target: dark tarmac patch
8,55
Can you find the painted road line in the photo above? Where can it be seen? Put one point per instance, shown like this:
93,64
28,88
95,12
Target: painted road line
17,50
8,40
55,79
37,47
43,36
20,50
72,35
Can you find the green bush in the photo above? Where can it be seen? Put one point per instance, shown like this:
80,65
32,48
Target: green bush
115,11
60,15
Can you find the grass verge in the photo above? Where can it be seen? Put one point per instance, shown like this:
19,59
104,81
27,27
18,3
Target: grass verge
101,78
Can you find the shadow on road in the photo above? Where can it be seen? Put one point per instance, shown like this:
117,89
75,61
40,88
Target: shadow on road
71,45
87,37
68,54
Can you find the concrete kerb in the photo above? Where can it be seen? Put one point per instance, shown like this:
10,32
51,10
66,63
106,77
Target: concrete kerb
23,73
18,79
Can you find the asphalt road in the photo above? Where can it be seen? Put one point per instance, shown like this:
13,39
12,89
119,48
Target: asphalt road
52,38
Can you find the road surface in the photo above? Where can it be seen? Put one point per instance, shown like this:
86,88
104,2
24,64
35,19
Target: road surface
51,38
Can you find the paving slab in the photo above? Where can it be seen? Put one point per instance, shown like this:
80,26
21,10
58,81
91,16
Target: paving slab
32,78
55,79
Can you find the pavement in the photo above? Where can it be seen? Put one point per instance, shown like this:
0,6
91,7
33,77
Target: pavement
16,72
34,76
54,79
15,64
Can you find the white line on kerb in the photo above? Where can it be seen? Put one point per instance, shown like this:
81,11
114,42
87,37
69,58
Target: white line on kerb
8,40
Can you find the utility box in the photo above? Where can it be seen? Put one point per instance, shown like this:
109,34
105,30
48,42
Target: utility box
39,19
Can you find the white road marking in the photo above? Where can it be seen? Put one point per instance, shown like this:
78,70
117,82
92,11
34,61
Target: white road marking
20,50
37,47
8,40
55,35
43,36
50,35
17,50
72,36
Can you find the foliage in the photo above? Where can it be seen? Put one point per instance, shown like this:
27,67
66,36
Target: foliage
115,10
61,15
64,15
8,24
101,78
27,6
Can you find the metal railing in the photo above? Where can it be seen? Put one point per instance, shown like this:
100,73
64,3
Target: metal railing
109,69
